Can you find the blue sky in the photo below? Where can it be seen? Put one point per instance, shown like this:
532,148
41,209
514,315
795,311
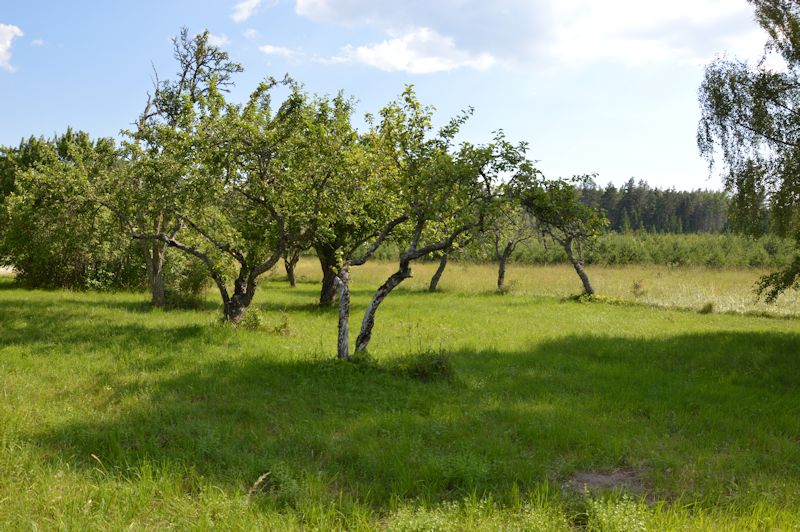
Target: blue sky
607,87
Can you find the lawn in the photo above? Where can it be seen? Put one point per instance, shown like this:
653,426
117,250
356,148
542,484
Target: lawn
116,416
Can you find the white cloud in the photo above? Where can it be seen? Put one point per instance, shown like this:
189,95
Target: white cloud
38,42
421,51
282,51
8,32
558,31
635,32
218,40
244,10
251,34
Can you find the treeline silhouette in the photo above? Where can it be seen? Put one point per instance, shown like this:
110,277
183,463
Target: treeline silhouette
638,206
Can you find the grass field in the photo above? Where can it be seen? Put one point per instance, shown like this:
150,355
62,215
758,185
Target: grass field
116,416
728,290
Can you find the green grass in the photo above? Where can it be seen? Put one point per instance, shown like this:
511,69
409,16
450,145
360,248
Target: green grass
115,416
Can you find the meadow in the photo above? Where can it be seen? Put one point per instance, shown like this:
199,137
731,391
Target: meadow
520,411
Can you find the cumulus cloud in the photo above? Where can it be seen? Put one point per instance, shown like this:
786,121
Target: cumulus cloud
635,32
251,33
281,51
244,10
555,31
38,42
218,40
8,32
420,51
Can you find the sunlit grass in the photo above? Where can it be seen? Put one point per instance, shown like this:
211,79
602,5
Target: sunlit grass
729,290
116,416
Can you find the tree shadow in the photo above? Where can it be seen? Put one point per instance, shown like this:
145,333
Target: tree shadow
703,415
65,325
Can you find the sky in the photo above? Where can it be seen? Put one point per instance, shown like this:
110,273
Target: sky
606,87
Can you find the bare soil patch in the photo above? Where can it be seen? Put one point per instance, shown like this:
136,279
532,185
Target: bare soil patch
619,479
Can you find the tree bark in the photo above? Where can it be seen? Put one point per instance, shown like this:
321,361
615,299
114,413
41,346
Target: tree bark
243,293
154,253
365,334
578,265
439,271
327,260
289,262
501,269
343,284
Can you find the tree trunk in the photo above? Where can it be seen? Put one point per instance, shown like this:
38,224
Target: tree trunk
343,344
578,265
289,262
365,335
154,253
439,271
501,269
243,292
237,305
327,260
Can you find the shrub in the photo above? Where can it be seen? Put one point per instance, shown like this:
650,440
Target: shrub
427,366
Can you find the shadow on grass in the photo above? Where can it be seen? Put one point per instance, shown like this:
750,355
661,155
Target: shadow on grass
710,416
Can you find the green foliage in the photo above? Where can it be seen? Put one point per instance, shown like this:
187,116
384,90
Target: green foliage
52,232
559,213
638,206
639,247
253,320
750,127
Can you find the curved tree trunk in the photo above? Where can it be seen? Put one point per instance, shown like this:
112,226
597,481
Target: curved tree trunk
290,262
439,271
365,334
578,265
343,344
327,260
501,269
243,293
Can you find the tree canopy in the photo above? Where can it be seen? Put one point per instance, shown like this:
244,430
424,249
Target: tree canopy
750,130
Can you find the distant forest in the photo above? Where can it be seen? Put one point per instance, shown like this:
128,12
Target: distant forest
638,206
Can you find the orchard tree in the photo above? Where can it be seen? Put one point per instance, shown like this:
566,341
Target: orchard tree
443,194
508,227
160,150
342,188
561,216
750,130
241,198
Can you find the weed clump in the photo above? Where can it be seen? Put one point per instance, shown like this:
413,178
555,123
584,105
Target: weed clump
426,366
708,308
252,320
283,328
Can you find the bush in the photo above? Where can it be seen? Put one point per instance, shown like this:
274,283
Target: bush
619,249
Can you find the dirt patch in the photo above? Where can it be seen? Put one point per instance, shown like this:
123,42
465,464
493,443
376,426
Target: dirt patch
596,481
